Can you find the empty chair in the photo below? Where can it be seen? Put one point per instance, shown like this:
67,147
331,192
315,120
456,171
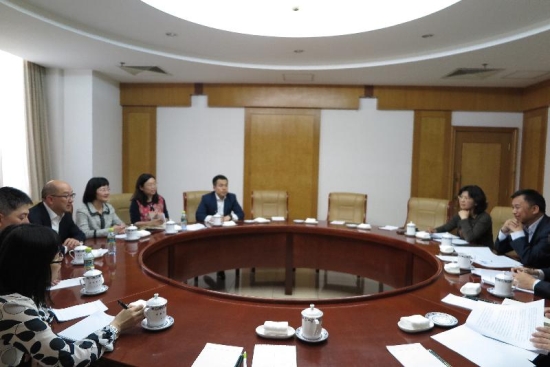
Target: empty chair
121,203
191,201
269,203
347,206
428,213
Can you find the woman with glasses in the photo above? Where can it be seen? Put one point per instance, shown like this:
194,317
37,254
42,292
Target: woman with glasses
147,208
472,222
96,216
27,252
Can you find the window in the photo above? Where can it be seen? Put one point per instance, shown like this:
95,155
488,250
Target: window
13,131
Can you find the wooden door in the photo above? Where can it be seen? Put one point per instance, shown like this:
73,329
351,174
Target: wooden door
282,153
485,157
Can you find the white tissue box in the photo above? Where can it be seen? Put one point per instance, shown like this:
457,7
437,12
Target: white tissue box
415,322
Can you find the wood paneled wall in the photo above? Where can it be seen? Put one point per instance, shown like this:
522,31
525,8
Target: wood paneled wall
533,149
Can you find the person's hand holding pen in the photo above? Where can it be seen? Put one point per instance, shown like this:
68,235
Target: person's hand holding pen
128,317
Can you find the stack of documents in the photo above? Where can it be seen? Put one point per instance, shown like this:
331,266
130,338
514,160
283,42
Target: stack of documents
218,355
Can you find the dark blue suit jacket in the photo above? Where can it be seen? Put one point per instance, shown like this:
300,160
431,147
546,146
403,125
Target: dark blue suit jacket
209,206
534,253
542,288
67,228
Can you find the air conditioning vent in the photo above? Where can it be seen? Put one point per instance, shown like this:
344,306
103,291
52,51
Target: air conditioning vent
134,70
472,73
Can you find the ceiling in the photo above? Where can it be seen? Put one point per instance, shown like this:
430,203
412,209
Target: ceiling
512,36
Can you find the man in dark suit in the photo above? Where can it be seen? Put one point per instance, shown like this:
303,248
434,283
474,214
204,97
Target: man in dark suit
537,280
528,232
55,211
219,201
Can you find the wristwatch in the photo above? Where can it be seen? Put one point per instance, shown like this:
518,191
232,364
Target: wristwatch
113,331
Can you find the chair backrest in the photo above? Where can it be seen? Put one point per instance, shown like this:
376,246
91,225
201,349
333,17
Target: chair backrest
191,201
347,206
121,203
269,203
428,213
499,215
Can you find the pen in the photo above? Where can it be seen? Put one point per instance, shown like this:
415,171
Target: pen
122,304
239,361
440,359
244,360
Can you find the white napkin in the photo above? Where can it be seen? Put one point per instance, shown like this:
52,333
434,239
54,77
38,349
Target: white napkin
276,327
278,219
195,227
338,222
261,220
364,226
389,228
415,322
311,220
229,224
99,252
423,235
471,288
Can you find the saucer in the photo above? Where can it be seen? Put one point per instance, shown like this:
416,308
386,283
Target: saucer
407,330
261,332
103,289
74,262
492,291
442,319
169,322
322,338
299,221
249,221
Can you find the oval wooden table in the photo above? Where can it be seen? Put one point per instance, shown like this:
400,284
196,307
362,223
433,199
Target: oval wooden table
359,327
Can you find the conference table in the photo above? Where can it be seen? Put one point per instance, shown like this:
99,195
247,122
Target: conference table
359,327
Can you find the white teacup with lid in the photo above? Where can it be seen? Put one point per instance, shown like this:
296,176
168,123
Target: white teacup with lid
155,312
170,227
312,322
217,220
92,281
503,284
446,239
132,233
78,254
411,229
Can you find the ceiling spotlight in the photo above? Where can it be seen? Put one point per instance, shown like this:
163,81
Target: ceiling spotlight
298,51
429,35
171,34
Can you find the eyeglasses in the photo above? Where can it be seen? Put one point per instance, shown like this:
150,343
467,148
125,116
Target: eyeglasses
59,258
104,189
66,196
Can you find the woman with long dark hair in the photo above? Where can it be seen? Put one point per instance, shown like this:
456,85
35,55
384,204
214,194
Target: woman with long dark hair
28,255
472,222
147,208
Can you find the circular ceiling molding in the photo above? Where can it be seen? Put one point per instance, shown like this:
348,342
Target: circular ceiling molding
300,18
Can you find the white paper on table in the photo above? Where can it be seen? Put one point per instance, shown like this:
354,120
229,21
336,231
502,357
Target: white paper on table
414,355
195,227
484,351
488,277
66,283
463,302
388,228
512,324
455,241
85,327
229,223
484,256
440,235
218,355
74,312
338,222
267,355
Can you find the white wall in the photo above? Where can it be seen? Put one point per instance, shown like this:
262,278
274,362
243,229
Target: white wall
195,144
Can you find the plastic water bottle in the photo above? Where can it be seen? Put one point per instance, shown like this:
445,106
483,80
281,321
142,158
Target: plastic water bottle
111,241
183,221
88,259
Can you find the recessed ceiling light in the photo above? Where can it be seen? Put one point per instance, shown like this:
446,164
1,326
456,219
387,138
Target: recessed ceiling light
310,18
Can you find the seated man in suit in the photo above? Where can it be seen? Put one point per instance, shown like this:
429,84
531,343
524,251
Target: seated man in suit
528,232
219,201
55,211
537,280
14,207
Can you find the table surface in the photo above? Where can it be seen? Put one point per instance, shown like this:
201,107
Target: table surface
359,330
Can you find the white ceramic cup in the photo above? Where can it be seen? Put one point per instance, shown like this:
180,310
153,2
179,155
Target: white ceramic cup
446,240
411,229
170,227
312,323
217,219
92,281
155,312
503,284
132,233
465,261
78,253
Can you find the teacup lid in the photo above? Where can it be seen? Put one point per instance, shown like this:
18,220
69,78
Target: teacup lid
131,227
156,301
92,273
81,247
447,235
503,275
312,312
411,223
170,221
217,215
